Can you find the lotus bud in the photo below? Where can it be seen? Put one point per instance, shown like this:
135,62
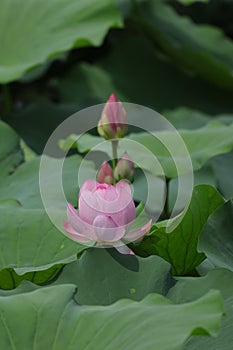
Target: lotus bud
125,168
113,121
105,174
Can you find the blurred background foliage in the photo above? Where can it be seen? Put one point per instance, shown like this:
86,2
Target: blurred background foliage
175,56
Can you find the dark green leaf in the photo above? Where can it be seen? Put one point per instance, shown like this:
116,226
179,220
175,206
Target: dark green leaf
158,83
223,168
216,239
10,280
10,153
179,247
189,2
202,49
37,121
101,279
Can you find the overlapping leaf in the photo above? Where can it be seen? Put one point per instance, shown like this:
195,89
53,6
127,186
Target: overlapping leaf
10,153
199,48
29,241
223,168
24,183
53,320
32,32
162,84
103,278
189,288
216,239
202,144
179,247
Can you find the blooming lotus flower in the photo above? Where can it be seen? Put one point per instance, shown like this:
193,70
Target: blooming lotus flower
113,121
105,174
105,215
125,168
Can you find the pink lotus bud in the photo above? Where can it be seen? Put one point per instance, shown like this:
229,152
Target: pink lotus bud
105,174
113,121
125,168
105,216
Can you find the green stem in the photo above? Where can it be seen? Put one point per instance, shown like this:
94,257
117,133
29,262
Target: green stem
114,153
7,99
165,214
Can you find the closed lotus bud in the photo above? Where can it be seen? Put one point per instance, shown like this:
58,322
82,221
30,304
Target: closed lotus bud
125,168
113,121
105,174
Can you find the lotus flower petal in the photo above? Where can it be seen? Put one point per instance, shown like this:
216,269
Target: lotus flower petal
123,249
73,234
106,230
134,235
78,224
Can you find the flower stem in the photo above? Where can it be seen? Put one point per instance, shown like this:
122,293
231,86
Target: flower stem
165,214
114,153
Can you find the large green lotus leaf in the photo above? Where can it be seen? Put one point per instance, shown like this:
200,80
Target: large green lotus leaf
52,320
82,83
216,239
10,153
84,143
223,168
24,183
187,118
24,287
205,175
202,144
29,241
190,288
179,247
33,31
103,278
162,84
198,48
36,122
9,279
215,138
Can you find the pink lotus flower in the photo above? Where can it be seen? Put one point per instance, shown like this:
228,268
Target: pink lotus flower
113,121
105,174
105,215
